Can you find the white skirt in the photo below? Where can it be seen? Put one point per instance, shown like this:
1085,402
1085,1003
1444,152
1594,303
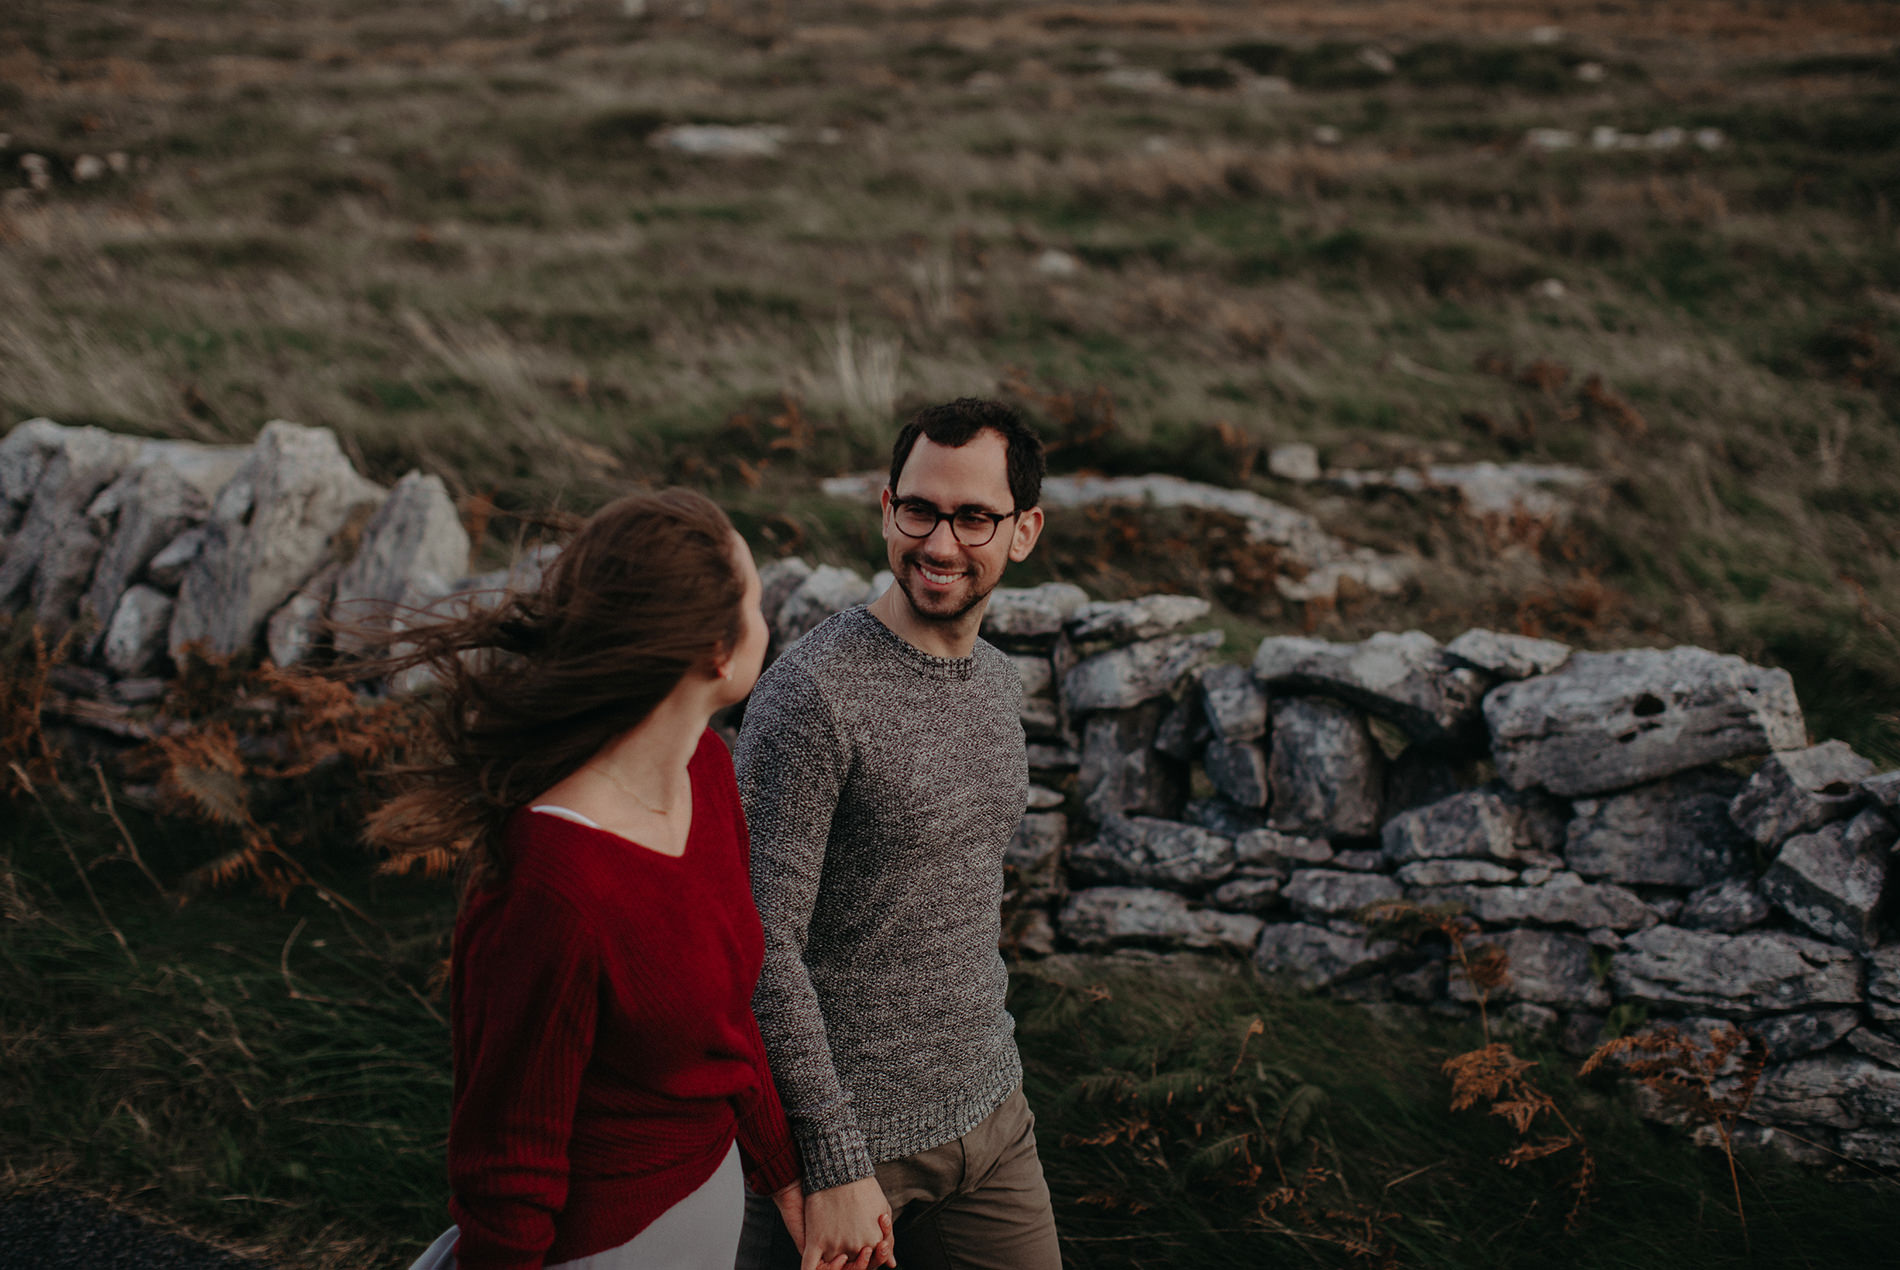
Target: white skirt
701,1232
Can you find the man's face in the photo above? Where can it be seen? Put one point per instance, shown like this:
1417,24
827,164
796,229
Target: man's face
941,577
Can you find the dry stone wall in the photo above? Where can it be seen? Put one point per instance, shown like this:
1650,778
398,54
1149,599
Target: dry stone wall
1646,833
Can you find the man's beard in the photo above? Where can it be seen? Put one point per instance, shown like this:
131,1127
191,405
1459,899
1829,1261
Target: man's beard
933,616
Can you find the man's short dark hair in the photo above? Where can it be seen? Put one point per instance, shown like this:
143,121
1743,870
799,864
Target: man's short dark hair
956,423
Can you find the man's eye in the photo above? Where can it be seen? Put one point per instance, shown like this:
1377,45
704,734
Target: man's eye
975,522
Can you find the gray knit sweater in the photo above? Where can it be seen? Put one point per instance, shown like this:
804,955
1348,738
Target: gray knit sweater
881,785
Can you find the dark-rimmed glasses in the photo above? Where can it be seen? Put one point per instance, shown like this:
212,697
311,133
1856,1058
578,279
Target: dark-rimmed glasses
971,526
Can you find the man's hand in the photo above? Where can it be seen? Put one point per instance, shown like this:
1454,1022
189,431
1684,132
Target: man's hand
846,1224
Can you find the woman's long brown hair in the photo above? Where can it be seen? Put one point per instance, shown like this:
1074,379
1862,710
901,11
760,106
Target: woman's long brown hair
533,688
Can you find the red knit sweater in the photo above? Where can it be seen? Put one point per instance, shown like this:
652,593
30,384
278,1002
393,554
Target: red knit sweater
605,1050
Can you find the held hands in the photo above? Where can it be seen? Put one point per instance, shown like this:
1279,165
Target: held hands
844,1228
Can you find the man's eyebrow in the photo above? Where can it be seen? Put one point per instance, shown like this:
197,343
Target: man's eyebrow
961,507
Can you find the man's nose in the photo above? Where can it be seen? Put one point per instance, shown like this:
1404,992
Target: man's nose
942,540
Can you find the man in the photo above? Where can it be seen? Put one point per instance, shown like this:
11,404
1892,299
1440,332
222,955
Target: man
883,771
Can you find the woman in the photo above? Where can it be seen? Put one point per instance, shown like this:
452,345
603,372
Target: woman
610,1083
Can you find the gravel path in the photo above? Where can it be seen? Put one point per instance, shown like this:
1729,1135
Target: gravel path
56,1230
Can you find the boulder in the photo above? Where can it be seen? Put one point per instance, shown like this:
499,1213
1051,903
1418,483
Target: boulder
1728,906
1272,849
1507,657
1325,771
1238,770
1799,791
134,642
1884,789
1672,832
1121,771
168,488
1407,678
1233,702
24,453
1113,916
1490,823
1039,679
1841,1091
1831,882
1791,1036
1565,900
1042,798
1124,677
412,551
1320,894
1249,890
272,526
49,558
1294,461
1126,621
1034,855
1363,860
777,580
1875,1045
1151,852
296,630
1546,966
1734,975
1883,984
1018,613
1611,720
824,591
166,570
1315,957
1436,873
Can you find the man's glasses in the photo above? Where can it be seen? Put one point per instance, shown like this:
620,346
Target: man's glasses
972,526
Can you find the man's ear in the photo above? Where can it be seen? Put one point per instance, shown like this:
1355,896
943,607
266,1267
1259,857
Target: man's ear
1028,529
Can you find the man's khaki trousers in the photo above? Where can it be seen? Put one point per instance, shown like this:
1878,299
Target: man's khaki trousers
977,1202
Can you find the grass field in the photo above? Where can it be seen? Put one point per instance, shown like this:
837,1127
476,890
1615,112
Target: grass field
446,231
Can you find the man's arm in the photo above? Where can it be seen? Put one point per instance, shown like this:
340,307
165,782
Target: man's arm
792,764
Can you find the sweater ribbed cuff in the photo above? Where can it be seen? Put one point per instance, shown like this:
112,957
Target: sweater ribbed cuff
831,1157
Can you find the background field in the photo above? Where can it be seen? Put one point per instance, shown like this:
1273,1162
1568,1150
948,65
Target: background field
443,229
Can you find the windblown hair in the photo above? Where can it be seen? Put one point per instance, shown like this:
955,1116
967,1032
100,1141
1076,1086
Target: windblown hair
647,590
956,423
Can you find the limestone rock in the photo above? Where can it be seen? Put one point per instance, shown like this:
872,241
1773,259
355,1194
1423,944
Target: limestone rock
824,591
1017,613
1047,757
1877,1147
295,631
168,488
1841,1091
1034,855
1436,873
1121,770
135,637
1042,798
1039,680
1295,461
1728,906
1223,817
1611,720
1152,852
1406,678
1272,849
1883,984
1238,770
1504,656
1325,770
1124,677
777,580
1734,975
271,527
1113,916
1875,1045
1490,823
166,570
412,551
1248,891
1546,966
1235,706
1565,900
1800,790
1791,1036
24,453
1125,621
50,557
1320,894
1042,718
1315,957
1884,789
1829,885
1673,832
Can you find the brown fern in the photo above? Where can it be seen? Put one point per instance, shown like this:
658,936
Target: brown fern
27,758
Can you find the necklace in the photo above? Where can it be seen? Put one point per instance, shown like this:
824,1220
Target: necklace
630,792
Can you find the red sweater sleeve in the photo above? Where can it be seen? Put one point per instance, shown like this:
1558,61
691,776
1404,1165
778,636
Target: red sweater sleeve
765,1137
529,994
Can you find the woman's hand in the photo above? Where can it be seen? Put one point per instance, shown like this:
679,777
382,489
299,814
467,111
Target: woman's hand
846,1226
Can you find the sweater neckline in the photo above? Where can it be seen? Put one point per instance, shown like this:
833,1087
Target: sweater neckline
929,665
